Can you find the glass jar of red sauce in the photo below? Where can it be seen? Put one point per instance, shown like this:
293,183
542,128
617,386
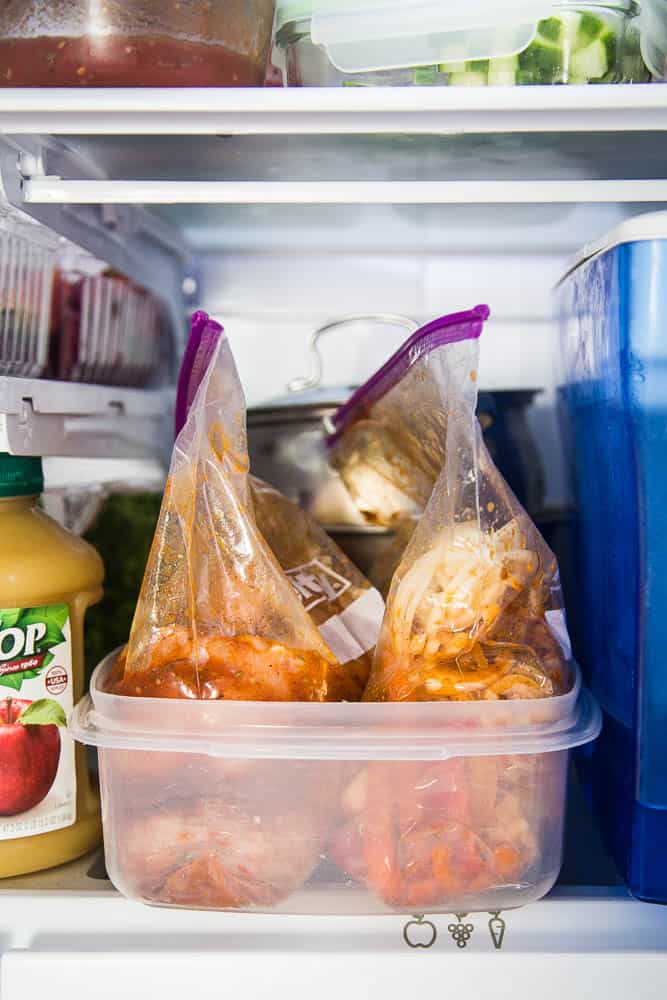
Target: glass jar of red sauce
134,43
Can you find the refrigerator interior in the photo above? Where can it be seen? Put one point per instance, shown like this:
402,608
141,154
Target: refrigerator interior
277,211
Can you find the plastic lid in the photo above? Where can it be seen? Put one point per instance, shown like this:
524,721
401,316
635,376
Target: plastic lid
334,730
369,35
20,476
639,228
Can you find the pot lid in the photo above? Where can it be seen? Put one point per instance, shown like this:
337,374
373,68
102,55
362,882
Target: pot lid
299,407
306,398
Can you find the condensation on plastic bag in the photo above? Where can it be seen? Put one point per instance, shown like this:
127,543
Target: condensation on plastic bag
216,616
468,613
345,607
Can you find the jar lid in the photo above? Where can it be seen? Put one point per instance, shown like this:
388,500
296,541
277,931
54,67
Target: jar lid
20,475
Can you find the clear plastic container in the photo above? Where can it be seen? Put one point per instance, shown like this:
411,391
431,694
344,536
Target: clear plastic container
107,330
654,37
134,43
333,808
369,45
27,262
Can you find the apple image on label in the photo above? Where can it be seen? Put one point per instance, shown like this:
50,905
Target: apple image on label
29,756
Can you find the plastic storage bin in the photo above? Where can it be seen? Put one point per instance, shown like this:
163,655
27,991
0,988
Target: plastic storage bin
615,405
255,805
654,37
106,329
370,42
27,262
134,43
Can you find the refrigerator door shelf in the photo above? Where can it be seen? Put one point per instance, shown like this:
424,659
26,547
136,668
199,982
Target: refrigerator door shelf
39,417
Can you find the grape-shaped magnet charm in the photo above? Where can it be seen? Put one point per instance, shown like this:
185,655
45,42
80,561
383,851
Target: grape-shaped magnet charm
497,927
419,933
461,932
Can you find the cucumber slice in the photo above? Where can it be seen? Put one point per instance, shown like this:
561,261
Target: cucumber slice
590,29
504,64
589,63
552,30
543,61
477,66
426,75
468,79
498,78
525,78
452,67
609,39
571,21
502,71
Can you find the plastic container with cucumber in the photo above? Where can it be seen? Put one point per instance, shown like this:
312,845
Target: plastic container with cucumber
573,46
593,42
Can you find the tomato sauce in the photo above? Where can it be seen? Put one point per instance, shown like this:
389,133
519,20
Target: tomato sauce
125,61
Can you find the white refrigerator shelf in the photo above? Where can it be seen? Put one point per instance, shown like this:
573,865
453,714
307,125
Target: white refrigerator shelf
252,111
70,928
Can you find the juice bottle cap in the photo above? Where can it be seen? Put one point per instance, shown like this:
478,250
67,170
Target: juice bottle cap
20,475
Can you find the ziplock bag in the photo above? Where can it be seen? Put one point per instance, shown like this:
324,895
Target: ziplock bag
474,613
420,834
345,607
217,618
388,438
475,609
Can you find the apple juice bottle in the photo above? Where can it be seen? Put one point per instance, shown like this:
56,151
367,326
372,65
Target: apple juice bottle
49,809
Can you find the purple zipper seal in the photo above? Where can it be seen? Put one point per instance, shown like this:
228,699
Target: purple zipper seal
202,342
445,330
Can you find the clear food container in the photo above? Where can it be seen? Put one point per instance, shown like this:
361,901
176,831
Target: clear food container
333,808
27,264
134,43
654,37
107,330
369,42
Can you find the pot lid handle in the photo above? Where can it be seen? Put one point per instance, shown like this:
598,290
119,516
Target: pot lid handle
313,380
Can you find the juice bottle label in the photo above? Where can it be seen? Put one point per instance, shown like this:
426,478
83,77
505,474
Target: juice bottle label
37,767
